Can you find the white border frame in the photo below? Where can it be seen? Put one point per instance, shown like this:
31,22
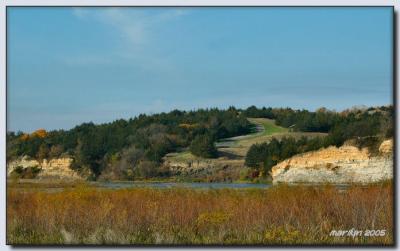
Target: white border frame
5,3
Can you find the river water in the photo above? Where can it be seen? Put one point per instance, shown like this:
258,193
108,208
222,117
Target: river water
194,185
159,185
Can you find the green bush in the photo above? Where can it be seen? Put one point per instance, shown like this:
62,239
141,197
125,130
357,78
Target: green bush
203,146
25,173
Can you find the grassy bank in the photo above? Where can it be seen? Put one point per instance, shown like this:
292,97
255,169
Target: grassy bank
280,215
228,167
269,126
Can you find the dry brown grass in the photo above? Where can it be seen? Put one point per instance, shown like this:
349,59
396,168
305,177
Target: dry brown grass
280,215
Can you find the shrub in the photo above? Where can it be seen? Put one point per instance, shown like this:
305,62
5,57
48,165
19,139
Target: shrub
146,169
25,173
203,146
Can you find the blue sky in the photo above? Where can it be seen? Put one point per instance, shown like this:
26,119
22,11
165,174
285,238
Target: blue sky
72,65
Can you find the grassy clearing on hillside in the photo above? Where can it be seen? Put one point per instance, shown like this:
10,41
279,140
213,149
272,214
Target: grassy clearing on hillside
240,145
279,215
182,156
269,126
232,151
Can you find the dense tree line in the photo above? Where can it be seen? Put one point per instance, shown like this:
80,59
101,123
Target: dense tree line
322,120
266,155
366,128
300,120
135,146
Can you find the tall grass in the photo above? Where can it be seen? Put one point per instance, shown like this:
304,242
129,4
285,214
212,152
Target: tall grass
280,215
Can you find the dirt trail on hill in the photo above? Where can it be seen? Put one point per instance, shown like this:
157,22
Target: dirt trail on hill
237,147
232,152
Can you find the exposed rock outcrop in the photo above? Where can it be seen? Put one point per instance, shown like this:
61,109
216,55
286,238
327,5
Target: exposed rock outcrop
386,147
346,164
219,169
190,165
55,168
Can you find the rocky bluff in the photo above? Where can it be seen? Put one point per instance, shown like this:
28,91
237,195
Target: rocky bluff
346,164
59,168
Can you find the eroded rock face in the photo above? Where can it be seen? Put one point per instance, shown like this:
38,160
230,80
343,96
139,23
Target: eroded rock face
346,164
386,147
220,169
189,165
55,168
24,162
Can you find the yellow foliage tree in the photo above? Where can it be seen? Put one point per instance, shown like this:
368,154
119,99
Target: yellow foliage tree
41,133
24,137
188,126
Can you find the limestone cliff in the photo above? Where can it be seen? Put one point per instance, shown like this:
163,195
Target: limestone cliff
55,168
346,164
186,165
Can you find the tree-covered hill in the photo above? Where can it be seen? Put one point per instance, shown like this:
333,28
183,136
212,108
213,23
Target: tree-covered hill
134,148
136,144
365,128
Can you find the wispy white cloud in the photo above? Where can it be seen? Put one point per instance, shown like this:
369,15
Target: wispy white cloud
80,12
133,25
134,31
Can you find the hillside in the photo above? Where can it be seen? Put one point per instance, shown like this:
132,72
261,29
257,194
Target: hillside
346,164
205,144
230,165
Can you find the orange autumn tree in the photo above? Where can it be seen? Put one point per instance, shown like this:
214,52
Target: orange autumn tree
188,126
41,133
24,137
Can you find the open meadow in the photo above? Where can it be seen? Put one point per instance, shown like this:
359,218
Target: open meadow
82,214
